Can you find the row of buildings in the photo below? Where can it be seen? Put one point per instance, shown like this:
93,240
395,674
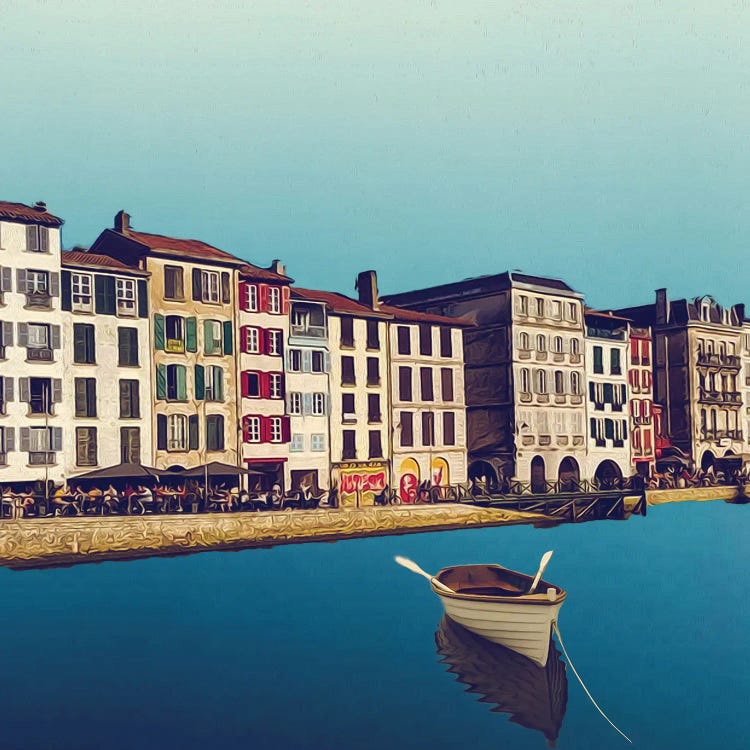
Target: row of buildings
173,353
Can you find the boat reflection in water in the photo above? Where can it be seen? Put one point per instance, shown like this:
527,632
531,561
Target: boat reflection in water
535,697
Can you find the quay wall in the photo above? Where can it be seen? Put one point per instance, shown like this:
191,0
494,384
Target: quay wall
60,541
658,497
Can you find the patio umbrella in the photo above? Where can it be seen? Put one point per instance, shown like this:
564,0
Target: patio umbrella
122,471
215,469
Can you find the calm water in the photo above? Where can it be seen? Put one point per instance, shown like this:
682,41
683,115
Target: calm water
333,645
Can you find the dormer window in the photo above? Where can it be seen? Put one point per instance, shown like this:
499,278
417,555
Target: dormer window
37,239
705,312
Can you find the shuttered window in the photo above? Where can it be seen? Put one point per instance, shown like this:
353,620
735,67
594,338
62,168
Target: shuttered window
85,397
86,449
406,421
215,432
176,383
449,428
404,384
174,284
130,402
425,339
130,445
127,347
446,383
404,340
347,371
84,346
375,444
446,342
425,378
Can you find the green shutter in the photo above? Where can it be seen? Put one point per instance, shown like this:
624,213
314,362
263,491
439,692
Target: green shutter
161,432
219,384
142,298
200,382
159,332
193,432
161,382
191,334
181,383
208,342
227,337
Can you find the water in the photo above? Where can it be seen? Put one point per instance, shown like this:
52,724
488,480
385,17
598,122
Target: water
333,645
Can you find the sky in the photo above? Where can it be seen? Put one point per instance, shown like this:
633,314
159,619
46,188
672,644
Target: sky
605,143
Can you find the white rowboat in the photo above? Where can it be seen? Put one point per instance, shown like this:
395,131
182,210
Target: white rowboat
490,600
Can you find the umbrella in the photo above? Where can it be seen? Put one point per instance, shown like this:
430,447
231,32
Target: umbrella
122,471
215,469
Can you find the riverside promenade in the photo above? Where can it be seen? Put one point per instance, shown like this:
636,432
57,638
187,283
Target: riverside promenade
40,542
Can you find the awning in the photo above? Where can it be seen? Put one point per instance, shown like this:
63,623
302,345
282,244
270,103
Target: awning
122,471
213,469
264,467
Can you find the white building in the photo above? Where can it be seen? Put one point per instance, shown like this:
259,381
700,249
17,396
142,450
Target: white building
608,457
106,352
308,394
34,418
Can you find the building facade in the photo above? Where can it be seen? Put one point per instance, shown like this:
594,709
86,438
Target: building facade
641,398
106,353
35,419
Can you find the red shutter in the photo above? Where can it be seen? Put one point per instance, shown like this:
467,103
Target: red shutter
243,339
265,391
634,351
286,432
263,340
244,429
244,384
243,295
265,430
285,295
647,409
262,297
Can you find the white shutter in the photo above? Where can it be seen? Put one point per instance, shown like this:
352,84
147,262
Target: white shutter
44,239
57,438
23,390
25,440
54,284
55,331
10,439
23,335
21,284
307,403
6,279
7,389
7,334
306,360
326,362
56,390
32,239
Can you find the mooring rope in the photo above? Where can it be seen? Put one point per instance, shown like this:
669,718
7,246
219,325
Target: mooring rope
578,677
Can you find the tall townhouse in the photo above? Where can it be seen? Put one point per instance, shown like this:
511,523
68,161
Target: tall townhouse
308,394
524,373
192,305
745,382
641,398
608,459
427,400
697,369
106,352
34,418
359,415
263,331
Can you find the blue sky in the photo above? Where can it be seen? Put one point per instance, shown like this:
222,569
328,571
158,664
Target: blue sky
604,142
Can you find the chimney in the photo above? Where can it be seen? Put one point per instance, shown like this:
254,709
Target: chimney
122,222
40,206
662,307
278,267
367,286
739,311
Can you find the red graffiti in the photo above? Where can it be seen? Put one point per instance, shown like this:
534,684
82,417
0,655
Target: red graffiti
407,489
362,482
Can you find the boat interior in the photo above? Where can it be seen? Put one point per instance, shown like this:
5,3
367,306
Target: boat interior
490,580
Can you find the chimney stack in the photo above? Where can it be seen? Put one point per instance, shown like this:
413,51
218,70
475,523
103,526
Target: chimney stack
662,307
122,222
278,267
367,288
739,311
40,206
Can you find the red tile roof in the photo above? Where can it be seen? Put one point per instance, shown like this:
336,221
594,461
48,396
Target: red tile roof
607,315
256,273
181,248
37,214
412,316
95,260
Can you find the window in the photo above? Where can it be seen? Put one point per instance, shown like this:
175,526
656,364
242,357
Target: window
125,292
404,384
276,429
275,385
252,429
425,339
404,340
556,310
37,239
347,333
84,349
176,383
251,340
634,352
127,347
541,343
428,428
349,448
40,395
85,397
318,404
446,383
7,435
557,345
574,346
176,432
174,287
38,336
373,371
575,383
523,305
174,329
251,303
81,296
373,408
541,381
212,337
298,443
645,352
373,334
318,442
40,439
525,383
251,384
214,432
406,420
425,379
539,307
213,389
347,371
598,360
375,446
559,382
274,299
523,342
449,428
446,342
130,400
295,360
573,311
210,287
275,342
295,403
86,446
37,287
614,362
347,406
317,362
130,445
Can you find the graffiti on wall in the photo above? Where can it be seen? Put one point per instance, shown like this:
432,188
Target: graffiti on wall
358,483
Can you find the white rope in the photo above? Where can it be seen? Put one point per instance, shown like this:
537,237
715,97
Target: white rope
578,677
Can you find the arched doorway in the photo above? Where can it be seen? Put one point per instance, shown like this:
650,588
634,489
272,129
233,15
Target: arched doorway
408,480
707,461
484,474
538,479
568,475
608,475
440,472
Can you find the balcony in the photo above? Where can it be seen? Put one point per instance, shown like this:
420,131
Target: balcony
558,357
527,440
578,440
41,458
38,300
174,346
540,356
721,434
562,440
34,354
575,359
576,399
642,420
733,398
542,398
524,398
545,440
524,354
710,359
559,398
308,331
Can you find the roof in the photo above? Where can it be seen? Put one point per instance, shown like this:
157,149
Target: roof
36,214
181,247
412,316
96,260
256,273
609,315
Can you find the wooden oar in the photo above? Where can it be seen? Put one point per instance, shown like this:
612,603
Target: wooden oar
414,568
546,557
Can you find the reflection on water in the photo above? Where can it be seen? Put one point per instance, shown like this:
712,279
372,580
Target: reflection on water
535,698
